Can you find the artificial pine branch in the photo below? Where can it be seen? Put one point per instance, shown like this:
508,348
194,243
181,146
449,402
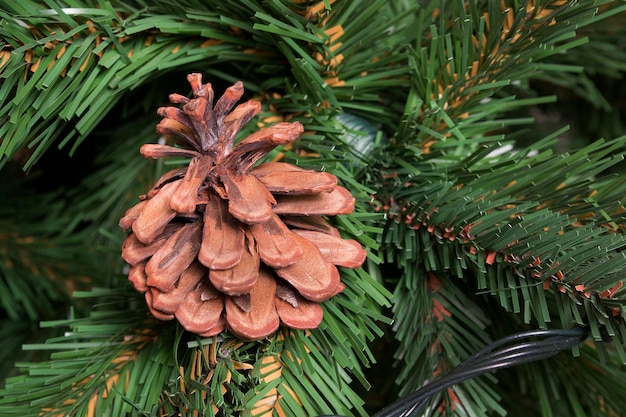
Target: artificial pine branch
427,83
445,158
43,260
360,331
595,393
77,66
121,360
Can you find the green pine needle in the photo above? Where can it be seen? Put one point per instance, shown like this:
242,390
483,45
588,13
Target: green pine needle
476,225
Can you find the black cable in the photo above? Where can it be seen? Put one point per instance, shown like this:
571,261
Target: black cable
468,373
575,331
486,360
476,366
506,359
512,356
527,351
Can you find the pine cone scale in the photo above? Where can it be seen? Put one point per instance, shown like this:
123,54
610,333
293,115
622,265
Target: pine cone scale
276,243
168,302
154,151
170,176
262,319
156,214
184,199
218,328
240,278
313,277
126,222
222,238
175,127
149,296
309,182
198,313
258,144
249,201
178,252
301,314
133,251
312,222
137,276
338,201
234,121
228,100
342,252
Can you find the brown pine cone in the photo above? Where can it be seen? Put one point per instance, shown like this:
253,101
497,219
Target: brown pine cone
223,243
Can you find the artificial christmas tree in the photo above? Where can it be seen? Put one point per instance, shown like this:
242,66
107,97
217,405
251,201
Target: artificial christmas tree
393,128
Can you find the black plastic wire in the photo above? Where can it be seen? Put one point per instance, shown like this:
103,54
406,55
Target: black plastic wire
488,360
513,356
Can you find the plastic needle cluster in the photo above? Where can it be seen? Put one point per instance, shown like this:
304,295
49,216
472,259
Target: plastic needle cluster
224,243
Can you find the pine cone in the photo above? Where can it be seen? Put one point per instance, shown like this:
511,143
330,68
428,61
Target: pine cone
223,243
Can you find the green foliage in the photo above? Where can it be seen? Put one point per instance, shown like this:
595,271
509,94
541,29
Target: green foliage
596,391
536,232
83,59
42,260
121,361
477,225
